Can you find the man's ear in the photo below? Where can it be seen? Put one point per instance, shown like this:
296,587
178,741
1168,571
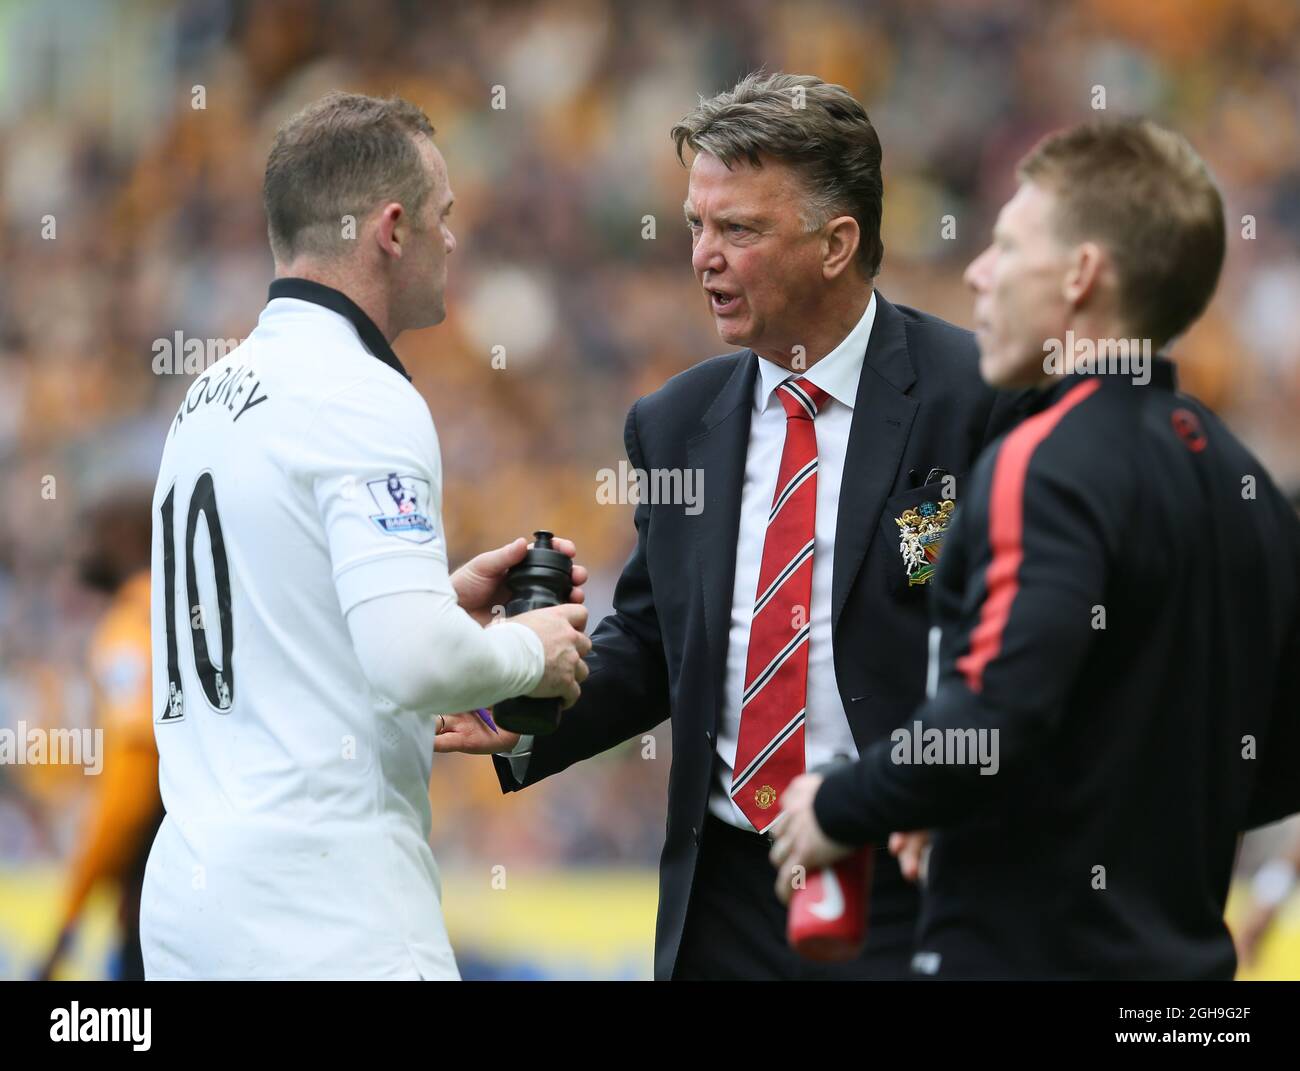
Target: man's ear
1084,274
391,232
839,245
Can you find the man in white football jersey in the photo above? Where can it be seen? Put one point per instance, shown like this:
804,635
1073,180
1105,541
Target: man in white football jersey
306,633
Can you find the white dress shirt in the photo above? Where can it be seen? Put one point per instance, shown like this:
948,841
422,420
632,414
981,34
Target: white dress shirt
826,726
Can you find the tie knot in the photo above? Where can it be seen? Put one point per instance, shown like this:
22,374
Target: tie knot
802,400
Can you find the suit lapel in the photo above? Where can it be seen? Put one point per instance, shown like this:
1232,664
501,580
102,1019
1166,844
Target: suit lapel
718,451
882,420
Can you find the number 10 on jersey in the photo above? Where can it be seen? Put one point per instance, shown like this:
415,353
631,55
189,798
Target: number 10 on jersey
218,684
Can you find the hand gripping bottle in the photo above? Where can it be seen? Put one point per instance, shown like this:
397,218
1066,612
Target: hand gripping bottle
828,915
543,578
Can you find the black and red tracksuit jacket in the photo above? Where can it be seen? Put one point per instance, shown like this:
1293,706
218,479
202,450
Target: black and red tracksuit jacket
1116,600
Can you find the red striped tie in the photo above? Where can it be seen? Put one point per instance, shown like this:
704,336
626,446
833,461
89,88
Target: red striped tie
769,754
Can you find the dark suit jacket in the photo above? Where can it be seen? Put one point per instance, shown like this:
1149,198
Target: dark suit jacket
920,405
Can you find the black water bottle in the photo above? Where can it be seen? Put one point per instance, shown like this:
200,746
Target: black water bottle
543,578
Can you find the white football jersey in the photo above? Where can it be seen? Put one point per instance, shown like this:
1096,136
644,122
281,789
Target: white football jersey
300,476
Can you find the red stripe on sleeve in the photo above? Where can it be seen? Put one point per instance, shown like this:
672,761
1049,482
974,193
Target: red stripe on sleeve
1006,531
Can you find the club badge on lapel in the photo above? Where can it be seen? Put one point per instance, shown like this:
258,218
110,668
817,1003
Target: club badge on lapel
922,529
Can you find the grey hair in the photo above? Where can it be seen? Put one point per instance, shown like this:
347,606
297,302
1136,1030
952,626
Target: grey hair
816,127
341,156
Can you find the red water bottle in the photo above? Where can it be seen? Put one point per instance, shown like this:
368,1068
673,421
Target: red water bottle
828,916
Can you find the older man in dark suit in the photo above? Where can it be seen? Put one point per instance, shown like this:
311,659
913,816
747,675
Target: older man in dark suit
784,623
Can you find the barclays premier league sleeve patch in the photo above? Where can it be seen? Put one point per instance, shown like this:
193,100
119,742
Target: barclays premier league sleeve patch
403,504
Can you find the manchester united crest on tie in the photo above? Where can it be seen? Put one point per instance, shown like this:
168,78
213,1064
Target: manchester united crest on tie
921,534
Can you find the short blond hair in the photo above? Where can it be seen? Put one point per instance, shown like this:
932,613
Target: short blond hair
1143,193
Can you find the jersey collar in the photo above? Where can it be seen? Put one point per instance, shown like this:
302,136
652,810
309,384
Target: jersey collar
1164,376
337,301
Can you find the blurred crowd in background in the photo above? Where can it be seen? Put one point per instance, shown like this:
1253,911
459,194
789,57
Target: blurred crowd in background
132,141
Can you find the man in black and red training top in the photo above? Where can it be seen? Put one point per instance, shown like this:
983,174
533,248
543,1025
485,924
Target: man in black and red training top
1113,696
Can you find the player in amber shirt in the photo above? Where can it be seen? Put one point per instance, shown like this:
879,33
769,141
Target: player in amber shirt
125,807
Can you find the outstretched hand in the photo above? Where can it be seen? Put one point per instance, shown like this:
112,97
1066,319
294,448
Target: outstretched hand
480,584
